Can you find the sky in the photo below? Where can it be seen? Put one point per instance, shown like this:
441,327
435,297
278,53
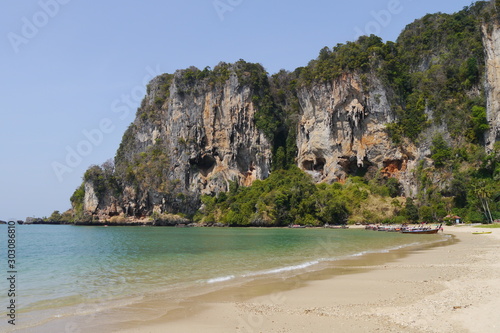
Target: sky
73,72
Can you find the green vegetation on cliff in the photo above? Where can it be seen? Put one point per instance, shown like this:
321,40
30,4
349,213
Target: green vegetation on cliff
435,67
463,181
441,63
291,197
360,56
434,71
270,118
434,79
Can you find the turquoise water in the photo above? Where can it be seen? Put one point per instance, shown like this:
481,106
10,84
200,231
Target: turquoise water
63,268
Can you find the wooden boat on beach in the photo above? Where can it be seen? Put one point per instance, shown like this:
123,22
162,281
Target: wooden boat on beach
342,226
421,230
404,229
383,228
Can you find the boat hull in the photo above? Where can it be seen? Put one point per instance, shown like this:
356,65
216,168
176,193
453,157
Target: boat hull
426,232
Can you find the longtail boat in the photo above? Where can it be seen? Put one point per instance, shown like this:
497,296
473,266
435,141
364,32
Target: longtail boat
421,230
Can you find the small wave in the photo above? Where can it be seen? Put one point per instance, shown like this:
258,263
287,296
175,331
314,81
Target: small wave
285,269
390,249
318,261
386,250
292,268
359,254
221,279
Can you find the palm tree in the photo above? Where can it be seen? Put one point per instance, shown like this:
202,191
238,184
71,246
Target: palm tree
483,193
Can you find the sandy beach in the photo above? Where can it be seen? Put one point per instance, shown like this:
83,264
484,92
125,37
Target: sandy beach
453,288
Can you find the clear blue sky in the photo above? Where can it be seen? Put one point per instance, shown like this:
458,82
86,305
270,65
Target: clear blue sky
67,66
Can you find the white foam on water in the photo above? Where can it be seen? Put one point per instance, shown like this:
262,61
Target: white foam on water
221,279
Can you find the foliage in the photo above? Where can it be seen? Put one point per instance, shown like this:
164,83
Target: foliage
394,187
55,217
441,152
411,210
103,179
290,197
483,190
435,67
440,60
284,92
77,199
433,78
270,118
383,185
352,56
126,145
462,183
479,124
267,117
164,82
149,169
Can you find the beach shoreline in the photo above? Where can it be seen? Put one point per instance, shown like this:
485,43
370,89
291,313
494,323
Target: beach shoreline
451,288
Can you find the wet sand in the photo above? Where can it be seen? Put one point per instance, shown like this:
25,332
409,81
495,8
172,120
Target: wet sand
452,288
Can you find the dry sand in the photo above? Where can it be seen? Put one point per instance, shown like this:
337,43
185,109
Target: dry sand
451,288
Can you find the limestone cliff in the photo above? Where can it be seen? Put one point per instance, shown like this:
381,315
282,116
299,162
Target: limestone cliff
491,41
199,131
342,130
192,138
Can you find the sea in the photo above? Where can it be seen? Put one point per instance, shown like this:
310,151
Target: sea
89,278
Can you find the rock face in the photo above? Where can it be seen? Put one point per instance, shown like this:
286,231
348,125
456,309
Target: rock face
213,138
339,127
91,202
206,137
198,131
209,137
342,132
491,42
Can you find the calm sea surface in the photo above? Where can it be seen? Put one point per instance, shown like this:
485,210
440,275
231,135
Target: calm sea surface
66,271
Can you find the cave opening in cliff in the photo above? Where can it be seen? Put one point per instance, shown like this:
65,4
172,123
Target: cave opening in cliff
392,166
205,163
314,165
308,165
351,167
244,160
320,164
